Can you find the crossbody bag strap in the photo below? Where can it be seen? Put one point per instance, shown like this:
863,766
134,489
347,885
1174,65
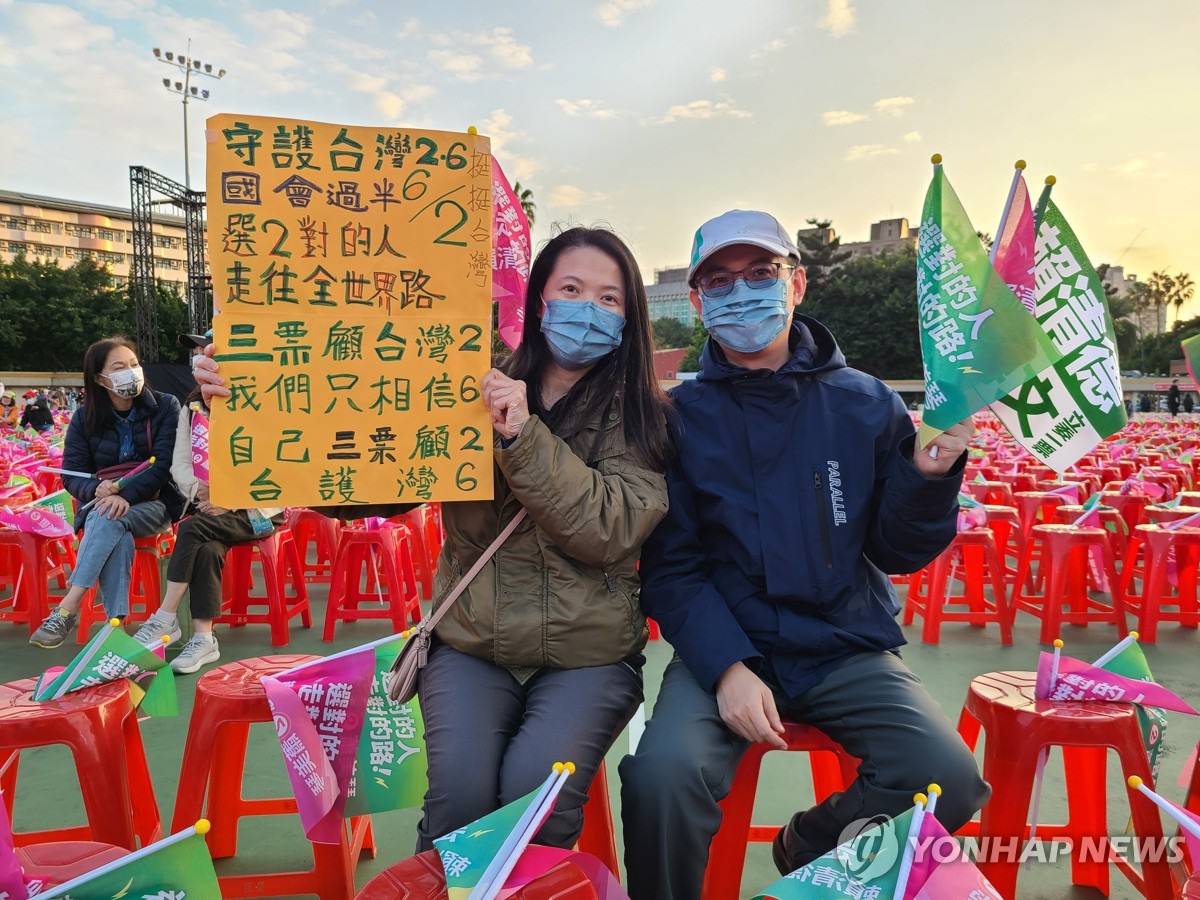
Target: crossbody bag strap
427,625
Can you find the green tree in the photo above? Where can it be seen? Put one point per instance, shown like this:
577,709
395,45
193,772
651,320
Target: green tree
691,359
669,333
1182,290
1161,290
525,198
821,253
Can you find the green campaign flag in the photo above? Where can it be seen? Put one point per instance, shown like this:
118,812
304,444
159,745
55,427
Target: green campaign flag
390,769
978,342
1191,353
867,866
60,504
1131,663
175,868
1066,410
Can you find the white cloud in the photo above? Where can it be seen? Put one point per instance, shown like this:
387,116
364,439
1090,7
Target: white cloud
703,109
893,106
280,29
868,151
569,195
716,76
1130,168
463,66
613,12
839,18
913,137
774,47
499,128
592,108
841,117
411,27
504,48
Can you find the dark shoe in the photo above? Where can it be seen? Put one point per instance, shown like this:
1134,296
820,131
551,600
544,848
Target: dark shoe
779,853
54,630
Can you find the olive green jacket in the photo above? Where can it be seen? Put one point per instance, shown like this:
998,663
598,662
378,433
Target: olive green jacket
562,591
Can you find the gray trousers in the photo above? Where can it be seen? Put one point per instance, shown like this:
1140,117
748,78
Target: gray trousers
491,740
105,554
872,705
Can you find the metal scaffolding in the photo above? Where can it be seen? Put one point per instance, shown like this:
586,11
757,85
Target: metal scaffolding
143,183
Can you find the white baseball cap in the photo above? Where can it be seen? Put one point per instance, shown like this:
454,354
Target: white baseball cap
740,226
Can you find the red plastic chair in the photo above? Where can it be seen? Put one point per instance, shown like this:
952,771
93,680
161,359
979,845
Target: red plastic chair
29,561
145,584
99,727
1065,552
1017,729
382,559
228,699
280,563
322,531
598,836
1151,603
60,862
972,560
421,877
832,770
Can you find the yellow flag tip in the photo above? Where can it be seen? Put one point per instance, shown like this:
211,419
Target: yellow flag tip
1050,179
1020,164
920,798
935,789
1134,782
1058,643
557,767
472,130
203,826
114,622
570,767
166,639
1134,635
936,159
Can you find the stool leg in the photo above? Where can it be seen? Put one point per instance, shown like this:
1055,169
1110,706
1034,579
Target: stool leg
727,852
1087,800
147,820
938,586
1004,817
1000,595
225,788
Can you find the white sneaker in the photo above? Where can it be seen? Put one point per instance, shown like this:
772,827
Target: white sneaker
152,632
200,650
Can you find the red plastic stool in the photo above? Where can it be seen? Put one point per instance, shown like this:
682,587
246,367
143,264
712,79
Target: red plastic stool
145,584
1064,573
60,862
1110,519
832,770
99,726
228,699
421,877
383,554
598,836
306,526
30,561
279,558
995,492
1018,728
1191,890
1159,547
973,559
424,561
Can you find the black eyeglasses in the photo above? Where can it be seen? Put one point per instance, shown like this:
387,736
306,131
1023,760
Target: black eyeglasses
759,275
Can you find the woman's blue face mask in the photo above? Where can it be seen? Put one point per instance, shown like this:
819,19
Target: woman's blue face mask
580,333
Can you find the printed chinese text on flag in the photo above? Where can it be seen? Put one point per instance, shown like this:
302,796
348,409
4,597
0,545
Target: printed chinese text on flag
511,253
978,342
1078,680
319,711
178,866
1064,411
1014,246
199,444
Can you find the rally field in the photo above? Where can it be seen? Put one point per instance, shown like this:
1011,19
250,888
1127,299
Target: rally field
48,795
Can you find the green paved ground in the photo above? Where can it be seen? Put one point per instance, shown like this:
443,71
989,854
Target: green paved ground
48,795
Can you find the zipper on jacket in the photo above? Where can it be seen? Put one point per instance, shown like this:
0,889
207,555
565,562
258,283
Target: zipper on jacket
608,581
820,497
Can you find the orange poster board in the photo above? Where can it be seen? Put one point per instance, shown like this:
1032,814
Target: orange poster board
352,282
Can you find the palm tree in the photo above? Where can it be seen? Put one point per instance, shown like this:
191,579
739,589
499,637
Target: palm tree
525,196
1161,287
1184,288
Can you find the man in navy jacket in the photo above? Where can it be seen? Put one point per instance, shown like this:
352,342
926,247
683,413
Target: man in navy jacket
797,487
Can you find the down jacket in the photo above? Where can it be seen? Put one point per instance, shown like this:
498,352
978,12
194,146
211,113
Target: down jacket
562,591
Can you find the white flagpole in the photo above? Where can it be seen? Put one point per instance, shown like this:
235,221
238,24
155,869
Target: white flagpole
1185,822
1117,649
371,645
1012,192
910,844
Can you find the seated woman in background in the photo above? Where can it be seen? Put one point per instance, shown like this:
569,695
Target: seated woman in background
121,422
199,556
10,413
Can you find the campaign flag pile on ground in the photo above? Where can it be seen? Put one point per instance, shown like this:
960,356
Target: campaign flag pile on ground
978,342
511,255
479,857
1068,408
112,654
347,747
176,867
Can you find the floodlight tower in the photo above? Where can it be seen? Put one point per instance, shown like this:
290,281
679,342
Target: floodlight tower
187,67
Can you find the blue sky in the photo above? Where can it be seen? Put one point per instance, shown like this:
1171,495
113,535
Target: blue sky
652,115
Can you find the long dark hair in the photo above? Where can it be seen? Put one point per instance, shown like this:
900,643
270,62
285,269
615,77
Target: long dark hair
97,406
626,374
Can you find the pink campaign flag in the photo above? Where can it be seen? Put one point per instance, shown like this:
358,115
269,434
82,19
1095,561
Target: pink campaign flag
36,520
1014,256
1078,680
200,445
319,712
511,254
538,860
12,880
942,871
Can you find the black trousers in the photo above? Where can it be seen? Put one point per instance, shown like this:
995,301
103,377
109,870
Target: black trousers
199,557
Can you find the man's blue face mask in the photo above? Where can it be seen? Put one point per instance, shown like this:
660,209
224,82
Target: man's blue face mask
746,319
579,334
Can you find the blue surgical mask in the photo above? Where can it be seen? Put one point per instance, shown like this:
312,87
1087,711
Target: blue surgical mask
580,333
746,319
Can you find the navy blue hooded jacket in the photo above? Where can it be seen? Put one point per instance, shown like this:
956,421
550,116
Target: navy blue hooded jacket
793,493
85,452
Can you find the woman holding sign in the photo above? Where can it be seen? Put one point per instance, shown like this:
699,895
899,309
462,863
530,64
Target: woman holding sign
200,547
124,433
539,659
